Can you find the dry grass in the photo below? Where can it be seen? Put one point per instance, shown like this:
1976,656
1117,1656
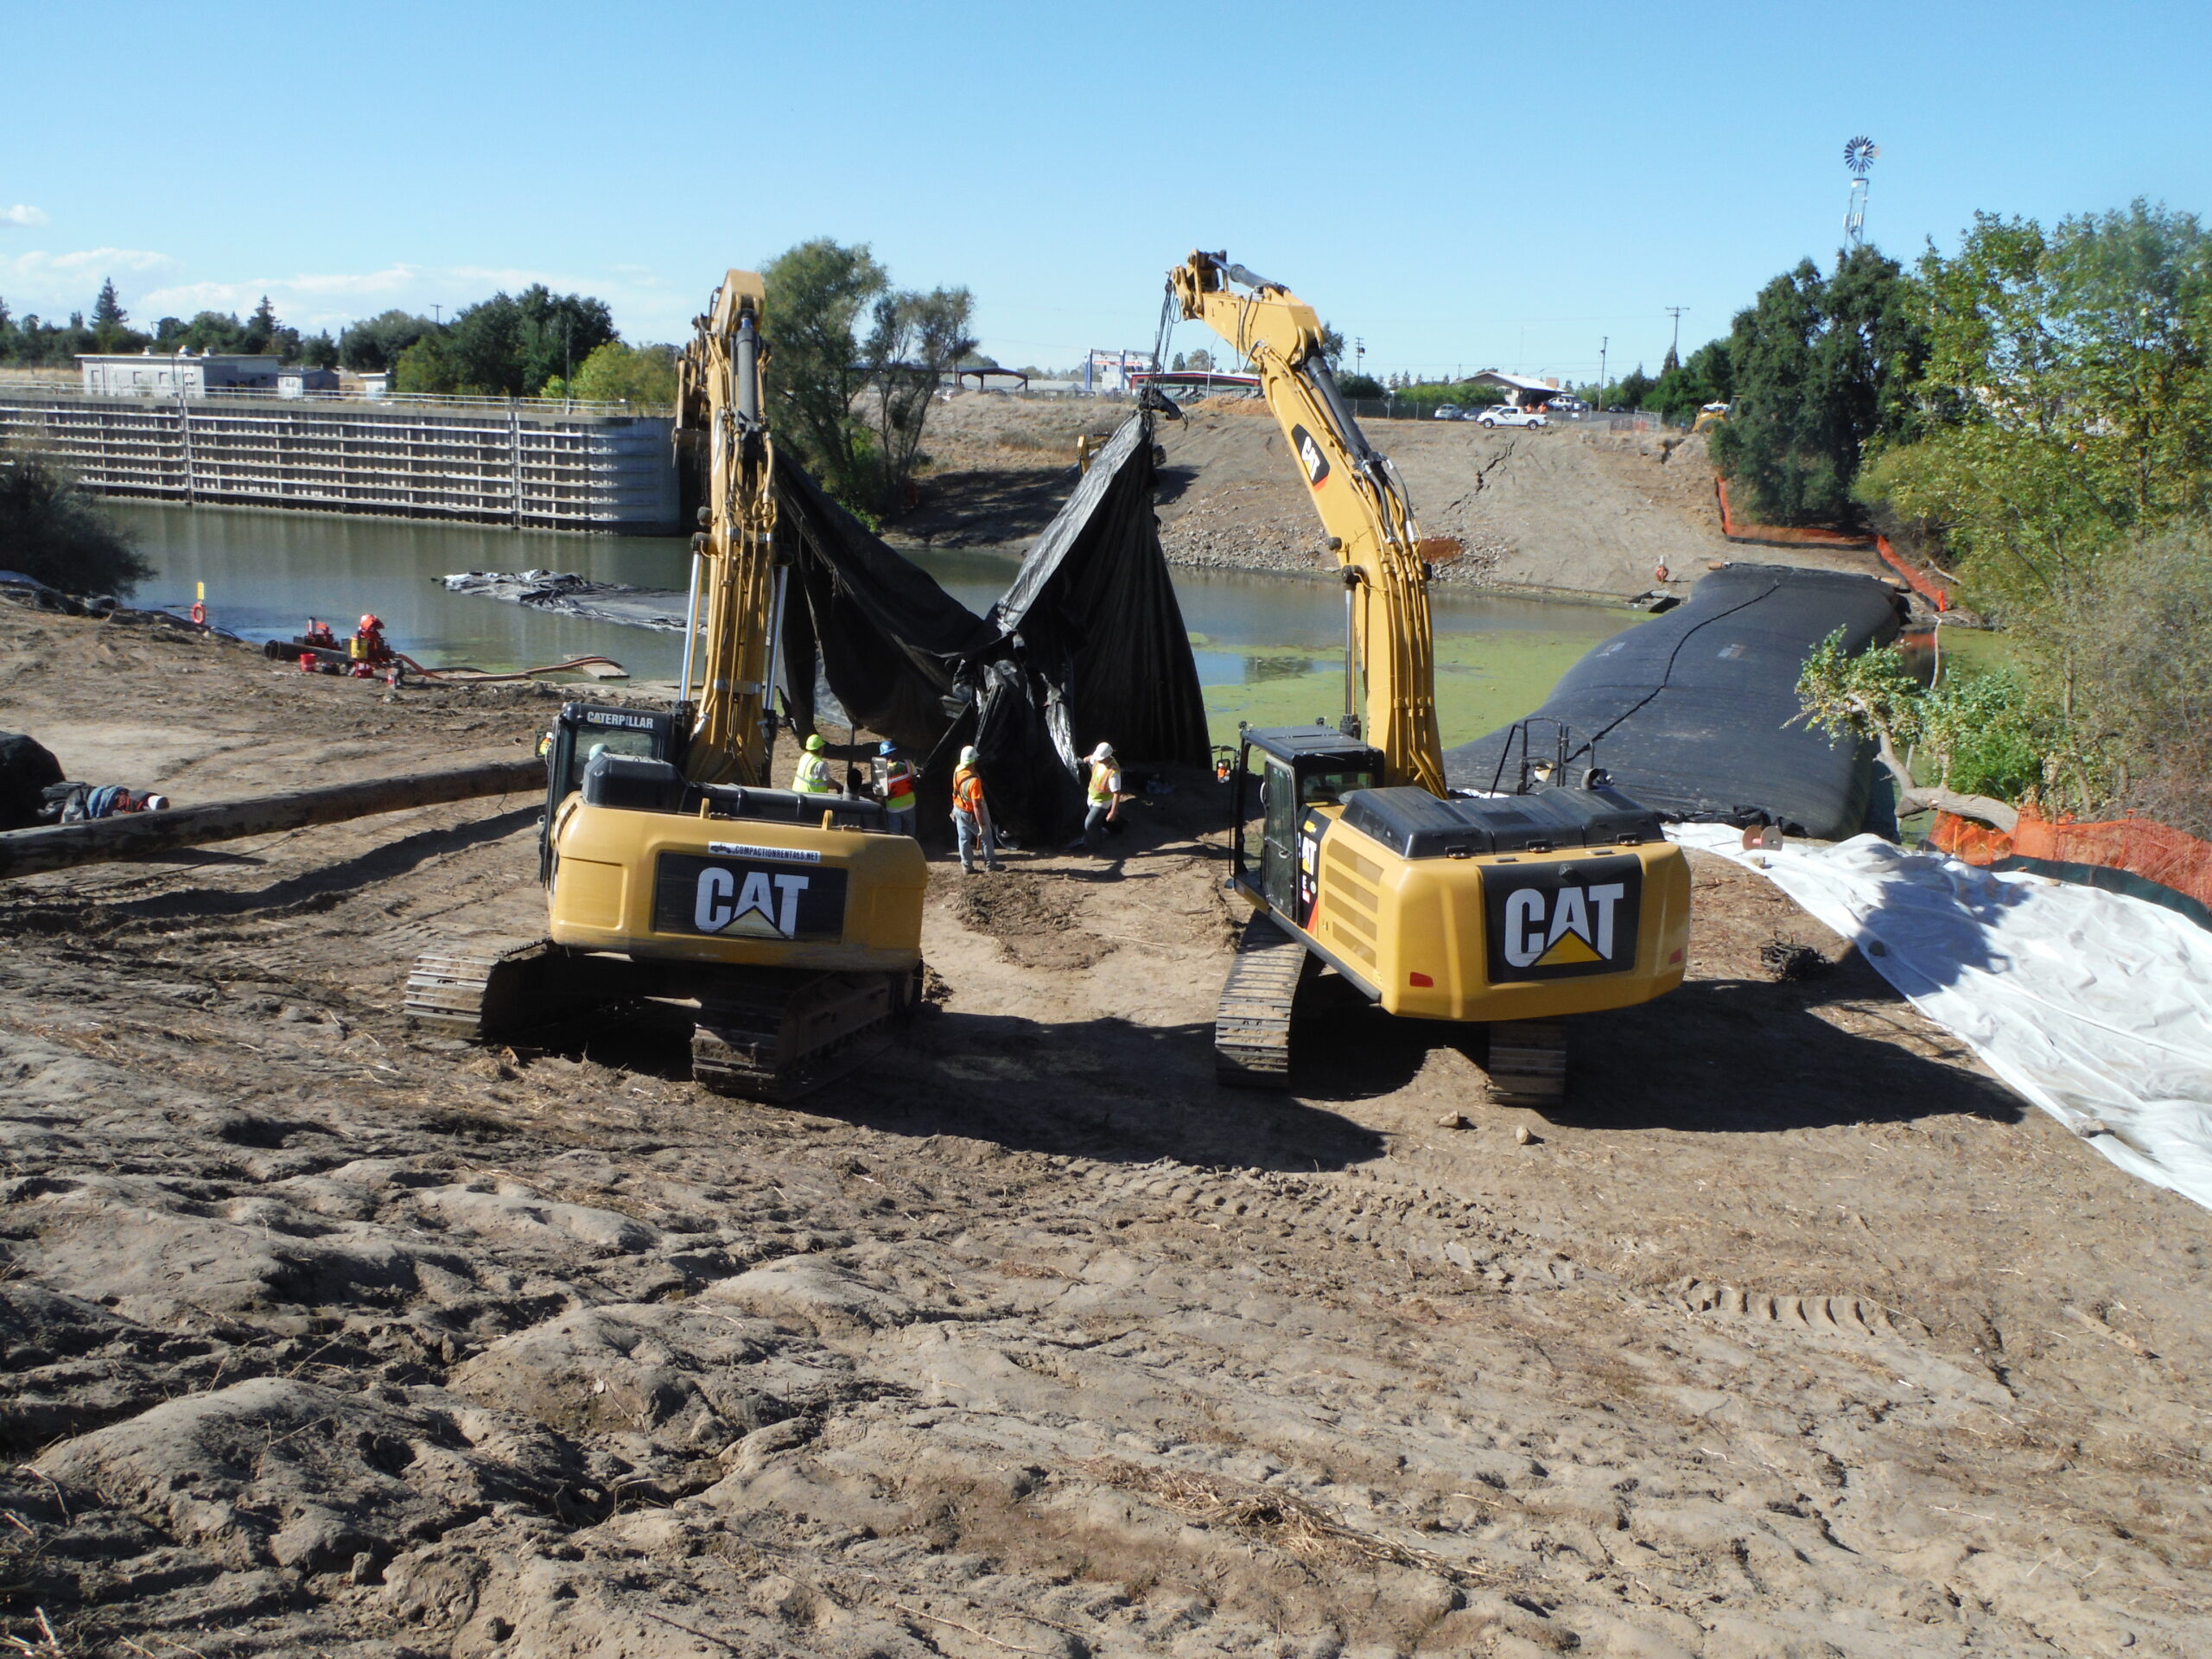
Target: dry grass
1281,1520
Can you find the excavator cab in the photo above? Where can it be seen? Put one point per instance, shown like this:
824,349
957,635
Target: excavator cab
583,731
1281,772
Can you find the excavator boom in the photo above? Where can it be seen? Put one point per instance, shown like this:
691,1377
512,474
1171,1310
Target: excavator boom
1363,508
720,393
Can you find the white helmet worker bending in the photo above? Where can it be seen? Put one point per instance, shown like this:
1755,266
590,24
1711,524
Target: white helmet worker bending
1101,798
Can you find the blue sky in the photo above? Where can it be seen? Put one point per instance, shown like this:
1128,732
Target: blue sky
1460,186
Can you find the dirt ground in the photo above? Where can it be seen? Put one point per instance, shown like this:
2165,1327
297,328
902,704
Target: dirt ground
1565,509
1793,1335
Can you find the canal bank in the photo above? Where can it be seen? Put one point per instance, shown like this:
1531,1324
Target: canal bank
1269,648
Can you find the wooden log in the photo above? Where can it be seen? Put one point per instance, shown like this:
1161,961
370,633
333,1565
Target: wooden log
26,852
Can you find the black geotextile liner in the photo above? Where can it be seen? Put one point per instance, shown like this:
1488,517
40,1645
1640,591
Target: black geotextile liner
1695,713
1088,643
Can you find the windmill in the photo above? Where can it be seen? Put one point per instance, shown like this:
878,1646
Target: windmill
1859,155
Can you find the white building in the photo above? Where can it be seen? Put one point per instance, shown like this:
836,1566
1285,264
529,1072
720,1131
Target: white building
143,374
296,382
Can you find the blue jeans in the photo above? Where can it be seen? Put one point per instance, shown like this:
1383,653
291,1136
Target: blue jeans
1094,833
971,837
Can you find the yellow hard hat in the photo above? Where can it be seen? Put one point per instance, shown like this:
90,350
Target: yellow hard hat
815,744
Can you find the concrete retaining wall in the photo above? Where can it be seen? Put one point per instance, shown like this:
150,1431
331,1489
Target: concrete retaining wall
492,463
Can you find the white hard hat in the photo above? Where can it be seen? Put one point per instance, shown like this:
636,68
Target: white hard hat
968,755
1103,752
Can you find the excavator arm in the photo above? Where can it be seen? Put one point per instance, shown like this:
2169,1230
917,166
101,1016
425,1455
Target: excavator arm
1363,508
739,577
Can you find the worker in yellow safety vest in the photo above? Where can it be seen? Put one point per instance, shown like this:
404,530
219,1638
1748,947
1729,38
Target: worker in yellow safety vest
971,817
813,775
1101,798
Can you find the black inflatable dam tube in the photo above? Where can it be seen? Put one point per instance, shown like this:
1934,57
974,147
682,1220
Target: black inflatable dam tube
1694,713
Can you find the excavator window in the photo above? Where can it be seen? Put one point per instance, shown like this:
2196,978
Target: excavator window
1330,788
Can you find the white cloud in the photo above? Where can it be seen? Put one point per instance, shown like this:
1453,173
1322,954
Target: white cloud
54,284
19,214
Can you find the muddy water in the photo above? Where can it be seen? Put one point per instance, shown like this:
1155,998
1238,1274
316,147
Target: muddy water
1269,648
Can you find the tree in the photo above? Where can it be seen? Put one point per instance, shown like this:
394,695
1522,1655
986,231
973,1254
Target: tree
1360,385
1332,347
1632,389
428,365
1689,386
916,339
320,350
815,293
619,373
107,309
52,531
376,343
2066,403
1200,361
1822,367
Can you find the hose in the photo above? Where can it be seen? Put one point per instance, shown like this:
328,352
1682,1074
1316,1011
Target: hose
478,677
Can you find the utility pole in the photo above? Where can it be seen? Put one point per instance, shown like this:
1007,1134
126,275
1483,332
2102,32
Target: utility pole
1675,312
1604,341
1359,358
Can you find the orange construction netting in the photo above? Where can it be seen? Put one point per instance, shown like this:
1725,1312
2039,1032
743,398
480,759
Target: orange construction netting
2153,852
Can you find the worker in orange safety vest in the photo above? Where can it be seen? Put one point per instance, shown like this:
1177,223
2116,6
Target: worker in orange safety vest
972,815
896,787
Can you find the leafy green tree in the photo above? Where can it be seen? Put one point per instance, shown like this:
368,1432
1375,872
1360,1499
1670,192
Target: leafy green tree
319,351
1360,385
428,365
916,341
376,342
2066,404
1702,379
1821,368
816,294
619,373
1632,391
110,326
52,531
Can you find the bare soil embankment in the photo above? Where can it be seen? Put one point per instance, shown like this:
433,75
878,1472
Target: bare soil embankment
1792,1335
1565,509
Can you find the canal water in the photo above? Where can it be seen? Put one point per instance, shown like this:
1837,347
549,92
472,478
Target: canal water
1269,648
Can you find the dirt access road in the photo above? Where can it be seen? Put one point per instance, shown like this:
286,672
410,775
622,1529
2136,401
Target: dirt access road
1563,510
1793,1335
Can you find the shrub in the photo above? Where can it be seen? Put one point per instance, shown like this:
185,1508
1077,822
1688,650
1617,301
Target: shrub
51,530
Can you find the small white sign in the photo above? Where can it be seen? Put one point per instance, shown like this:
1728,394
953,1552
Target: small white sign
788,854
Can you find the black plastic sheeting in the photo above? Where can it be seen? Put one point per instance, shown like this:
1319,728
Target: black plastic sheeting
1088,645
1694,714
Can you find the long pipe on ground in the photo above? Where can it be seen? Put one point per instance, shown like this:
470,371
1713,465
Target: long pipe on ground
26,852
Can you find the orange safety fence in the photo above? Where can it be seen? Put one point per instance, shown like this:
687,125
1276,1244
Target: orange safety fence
1779,535
2133,855
1939,597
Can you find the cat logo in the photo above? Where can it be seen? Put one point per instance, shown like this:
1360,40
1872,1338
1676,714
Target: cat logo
721,906
1309,456
747,897
1559,921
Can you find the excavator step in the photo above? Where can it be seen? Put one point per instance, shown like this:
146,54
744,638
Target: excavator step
1251,1025
1528,1061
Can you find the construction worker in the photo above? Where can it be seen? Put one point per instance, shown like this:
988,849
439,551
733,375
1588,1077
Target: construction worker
971,817
367,644
896,788
813,775
1102,798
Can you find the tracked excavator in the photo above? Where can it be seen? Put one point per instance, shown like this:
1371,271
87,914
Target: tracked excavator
787,925
1548,895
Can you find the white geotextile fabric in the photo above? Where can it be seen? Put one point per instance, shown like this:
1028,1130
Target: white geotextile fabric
2095,1006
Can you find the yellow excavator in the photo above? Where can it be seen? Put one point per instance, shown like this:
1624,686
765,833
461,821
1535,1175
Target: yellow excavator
1513,909
787,923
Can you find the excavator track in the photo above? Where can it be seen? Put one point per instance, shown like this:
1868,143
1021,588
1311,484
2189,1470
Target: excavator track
1528,1061
483,991
773,1036
1251,1024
